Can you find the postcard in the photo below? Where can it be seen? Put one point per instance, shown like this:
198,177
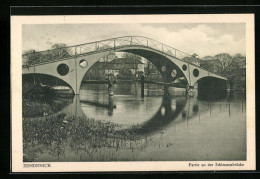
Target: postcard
108,93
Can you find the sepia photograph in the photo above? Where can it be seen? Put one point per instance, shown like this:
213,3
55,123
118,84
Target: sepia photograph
143,92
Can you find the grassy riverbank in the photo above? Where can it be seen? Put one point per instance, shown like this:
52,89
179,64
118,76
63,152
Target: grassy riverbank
56,133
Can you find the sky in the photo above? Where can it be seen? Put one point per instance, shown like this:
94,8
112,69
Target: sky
202,39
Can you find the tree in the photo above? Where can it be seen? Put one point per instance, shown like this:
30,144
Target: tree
148,68
232,67
29,51
125,74
151,69
238,68
131,56
240,60
59,50
134,57
58,45
30,57
225,61
108,57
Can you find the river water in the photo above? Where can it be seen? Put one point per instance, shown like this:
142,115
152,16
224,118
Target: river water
164,125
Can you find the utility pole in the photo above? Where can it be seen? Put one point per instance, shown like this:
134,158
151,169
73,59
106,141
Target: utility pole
142,86
135,69
34,67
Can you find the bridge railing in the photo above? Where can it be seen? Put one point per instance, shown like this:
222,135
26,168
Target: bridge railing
69,52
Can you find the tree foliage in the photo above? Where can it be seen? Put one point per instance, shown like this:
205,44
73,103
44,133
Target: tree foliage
30,57
56,51
58,45
225,61
224,64
134,57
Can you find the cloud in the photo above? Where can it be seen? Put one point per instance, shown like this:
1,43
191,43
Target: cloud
201,39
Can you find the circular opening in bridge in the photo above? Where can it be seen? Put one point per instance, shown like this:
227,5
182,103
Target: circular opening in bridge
83,63
163,68
63,69
196,72
174,73
184,67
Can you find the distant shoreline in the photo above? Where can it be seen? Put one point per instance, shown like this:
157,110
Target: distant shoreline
138,81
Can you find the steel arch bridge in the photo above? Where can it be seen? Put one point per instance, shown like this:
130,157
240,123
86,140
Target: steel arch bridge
71,63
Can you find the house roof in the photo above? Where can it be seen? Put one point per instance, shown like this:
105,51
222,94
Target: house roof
208,58
191,59
125,61
117,64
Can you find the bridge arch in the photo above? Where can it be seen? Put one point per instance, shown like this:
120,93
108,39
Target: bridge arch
164,65
210,87
44,78
159,60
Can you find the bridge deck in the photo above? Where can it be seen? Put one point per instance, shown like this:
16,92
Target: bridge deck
50,56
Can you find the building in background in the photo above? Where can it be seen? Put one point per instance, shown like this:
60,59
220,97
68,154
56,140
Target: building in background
122,68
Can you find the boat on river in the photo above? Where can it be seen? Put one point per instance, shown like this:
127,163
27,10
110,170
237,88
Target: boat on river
62,91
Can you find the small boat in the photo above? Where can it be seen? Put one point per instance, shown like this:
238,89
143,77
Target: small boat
62,91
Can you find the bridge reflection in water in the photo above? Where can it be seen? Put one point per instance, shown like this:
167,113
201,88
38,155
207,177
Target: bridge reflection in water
168,121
